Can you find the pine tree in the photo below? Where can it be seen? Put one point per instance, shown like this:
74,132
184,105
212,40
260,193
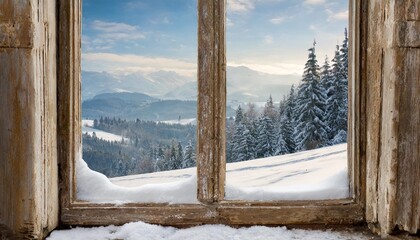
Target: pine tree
179,156
243,144
311,130
250,120
160,163
344,84
270,110
327,80
326,76
337,99
175,159
344,56
266,138
189,156
230,132
239,116
251,113
281,146
287,123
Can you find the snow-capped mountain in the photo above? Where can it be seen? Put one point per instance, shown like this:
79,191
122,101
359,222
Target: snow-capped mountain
243,84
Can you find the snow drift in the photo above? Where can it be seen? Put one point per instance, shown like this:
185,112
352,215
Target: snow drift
311,175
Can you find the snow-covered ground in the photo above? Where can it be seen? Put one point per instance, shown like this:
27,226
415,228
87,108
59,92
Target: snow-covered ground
144,231
186,121
87,127
313,175
309,175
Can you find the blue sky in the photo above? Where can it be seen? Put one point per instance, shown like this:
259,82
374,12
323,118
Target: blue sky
124,36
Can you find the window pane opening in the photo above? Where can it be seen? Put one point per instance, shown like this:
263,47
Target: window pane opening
287,79
139,101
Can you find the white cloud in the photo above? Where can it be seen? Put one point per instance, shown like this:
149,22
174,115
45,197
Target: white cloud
117,31
108,34
340,16
314,2
268,39
239,6
111,27
128,63
278,20
162,20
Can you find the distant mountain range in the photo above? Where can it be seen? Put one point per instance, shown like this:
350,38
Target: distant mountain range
137,105
156,84
243,85
164,95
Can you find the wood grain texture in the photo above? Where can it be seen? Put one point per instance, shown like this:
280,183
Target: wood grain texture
28,157
211,114
393,119
373,79
408,34
291,215
413,10
69,88
408,187
16,25
337,212
174,215
357,98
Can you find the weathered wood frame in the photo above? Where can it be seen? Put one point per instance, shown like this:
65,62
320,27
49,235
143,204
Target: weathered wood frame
211,138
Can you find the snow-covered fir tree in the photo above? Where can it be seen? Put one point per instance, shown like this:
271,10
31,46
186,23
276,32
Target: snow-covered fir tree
327,80
326,75
239,115
270,110
189,156
230,131
281,146
287,124
243,144
179,156
266,137
337,98
344,55
311,130
250,119
160,162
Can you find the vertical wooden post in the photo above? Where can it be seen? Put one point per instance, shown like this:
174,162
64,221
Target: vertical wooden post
211,115
392,108
28,115
69,90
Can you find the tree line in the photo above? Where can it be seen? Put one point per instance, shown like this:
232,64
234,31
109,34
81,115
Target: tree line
147,147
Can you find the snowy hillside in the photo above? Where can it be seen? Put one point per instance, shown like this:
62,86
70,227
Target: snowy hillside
186,121
87,127
315,174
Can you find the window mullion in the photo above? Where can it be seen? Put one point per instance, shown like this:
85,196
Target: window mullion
211,101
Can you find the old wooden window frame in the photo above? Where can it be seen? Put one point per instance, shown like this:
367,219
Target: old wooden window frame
210,137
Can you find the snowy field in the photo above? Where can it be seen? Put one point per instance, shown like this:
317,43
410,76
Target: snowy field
186,121
87,127
143,231
310,175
